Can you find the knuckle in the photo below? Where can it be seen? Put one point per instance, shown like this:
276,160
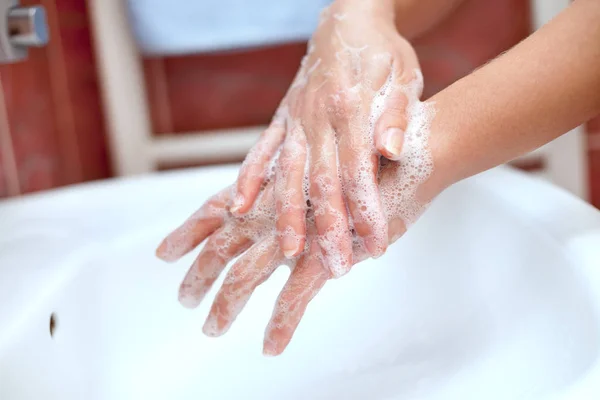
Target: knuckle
362,229
312,103
350,99
339,102
352,184
396,104
408,74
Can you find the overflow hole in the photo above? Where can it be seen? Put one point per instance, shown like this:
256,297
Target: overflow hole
52,324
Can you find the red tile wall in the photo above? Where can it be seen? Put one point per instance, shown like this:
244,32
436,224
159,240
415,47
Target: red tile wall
52,106
80,90
593,128
3,191
5,146
219,90
3,188
32,123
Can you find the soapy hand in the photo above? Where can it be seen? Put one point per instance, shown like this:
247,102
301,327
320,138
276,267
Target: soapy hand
357,92
254,237
348,100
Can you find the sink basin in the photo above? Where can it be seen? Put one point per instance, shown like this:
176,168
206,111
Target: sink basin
493,294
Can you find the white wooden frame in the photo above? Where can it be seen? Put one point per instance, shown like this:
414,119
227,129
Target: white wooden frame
135,150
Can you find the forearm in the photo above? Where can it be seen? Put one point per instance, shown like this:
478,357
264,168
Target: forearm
537,91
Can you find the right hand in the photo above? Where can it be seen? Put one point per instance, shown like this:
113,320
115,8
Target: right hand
254,237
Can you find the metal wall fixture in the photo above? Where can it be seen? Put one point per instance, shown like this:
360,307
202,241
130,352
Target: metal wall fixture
20,29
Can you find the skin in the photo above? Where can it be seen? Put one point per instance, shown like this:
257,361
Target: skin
538,90
254,237
545,86
357,47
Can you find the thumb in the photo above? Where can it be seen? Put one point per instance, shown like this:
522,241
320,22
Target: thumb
390,128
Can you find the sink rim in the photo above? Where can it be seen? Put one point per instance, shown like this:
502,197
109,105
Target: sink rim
563,217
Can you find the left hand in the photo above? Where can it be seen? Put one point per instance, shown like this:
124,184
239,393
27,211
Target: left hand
255,236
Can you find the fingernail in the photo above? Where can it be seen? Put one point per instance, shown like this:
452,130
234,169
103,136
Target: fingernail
189,301
191,295
211,327
270,350
238,202
162,251
373,248
289,246
169,250
392,140
337,269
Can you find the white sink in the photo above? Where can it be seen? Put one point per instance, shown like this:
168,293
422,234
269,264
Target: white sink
494,294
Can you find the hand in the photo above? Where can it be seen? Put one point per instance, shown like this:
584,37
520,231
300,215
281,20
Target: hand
255,236
348,99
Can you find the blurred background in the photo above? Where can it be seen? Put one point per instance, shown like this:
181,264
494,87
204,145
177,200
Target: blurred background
131,87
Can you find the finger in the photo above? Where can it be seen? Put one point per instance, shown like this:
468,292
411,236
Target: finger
407,68
397,229
196,228
389,131
221,248
255,167
304,283
330,213
290,193
252,269
359,167
404,90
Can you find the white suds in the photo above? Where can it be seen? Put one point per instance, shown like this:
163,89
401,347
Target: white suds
395,191
415,165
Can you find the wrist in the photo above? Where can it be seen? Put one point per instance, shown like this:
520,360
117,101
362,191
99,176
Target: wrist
380,10
446,168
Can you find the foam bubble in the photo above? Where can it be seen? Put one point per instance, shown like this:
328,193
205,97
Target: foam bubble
397,190
359,104
397,193
415,164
